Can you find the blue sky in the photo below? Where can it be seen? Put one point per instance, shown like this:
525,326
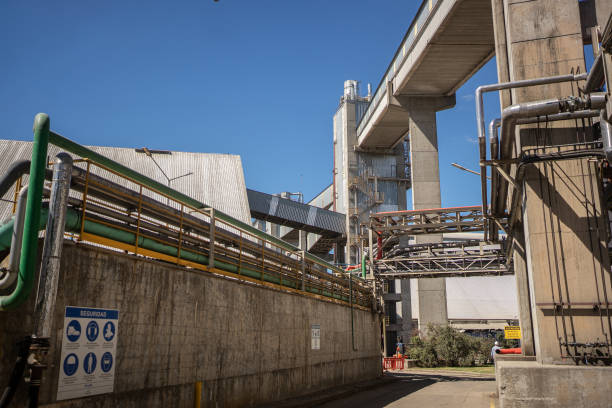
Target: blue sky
260,79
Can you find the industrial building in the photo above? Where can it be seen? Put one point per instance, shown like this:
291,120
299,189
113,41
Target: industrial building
183,256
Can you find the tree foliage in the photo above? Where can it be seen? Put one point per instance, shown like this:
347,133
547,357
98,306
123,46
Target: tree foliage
446,346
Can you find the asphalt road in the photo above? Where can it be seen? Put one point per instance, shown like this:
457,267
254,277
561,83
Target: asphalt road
423,390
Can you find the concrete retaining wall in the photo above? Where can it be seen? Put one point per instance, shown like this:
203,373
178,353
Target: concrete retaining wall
248,345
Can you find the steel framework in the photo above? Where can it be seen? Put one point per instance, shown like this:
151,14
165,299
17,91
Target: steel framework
444,260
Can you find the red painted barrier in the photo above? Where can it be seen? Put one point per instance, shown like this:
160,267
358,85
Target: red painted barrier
509,351
393,363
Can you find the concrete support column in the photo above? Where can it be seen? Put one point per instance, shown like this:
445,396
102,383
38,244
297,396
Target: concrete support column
406,304
565,247
426,194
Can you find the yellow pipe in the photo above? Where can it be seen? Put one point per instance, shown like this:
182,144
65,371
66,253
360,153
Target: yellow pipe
198,394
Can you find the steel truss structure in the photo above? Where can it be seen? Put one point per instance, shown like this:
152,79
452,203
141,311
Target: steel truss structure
447,259
440,259
439,220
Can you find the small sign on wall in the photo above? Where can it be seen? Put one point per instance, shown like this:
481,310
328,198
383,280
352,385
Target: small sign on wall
315,337
512,332
88,359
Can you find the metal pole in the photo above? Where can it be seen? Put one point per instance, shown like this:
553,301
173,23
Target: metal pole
303,270
211,251
52,249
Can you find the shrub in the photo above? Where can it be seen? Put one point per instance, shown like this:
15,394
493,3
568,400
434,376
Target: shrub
444,345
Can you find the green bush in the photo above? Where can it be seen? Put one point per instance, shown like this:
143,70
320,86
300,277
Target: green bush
446,346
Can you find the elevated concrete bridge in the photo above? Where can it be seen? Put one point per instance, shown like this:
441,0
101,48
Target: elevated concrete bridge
448,41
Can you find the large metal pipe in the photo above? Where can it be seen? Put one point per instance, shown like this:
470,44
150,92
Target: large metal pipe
9,178
481,90
606,135
52,248
17,238
542,109
29,249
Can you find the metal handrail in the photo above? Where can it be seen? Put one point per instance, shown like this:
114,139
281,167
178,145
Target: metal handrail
274,259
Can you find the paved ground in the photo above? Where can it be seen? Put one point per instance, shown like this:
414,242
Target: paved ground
424,389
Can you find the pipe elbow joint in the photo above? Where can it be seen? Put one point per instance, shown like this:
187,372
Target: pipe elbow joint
41,122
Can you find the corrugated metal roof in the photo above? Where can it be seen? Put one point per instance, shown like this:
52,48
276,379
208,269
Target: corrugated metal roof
216,179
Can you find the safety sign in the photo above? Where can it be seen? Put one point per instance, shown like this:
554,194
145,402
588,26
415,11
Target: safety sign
89,346
512,332
315,337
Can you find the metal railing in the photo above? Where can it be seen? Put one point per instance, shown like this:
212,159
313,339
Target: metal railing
413,34
117,207
129,216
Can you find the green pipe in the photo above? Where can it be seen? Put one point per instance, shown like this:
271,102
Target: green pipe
73,224
363,265
84,152
29,248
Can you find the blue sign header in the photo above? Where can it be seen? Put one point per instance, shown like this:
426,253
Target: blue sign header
89,313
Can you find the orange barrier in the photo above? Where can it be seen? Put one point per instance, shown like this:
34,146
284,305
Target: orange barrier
509,351
393,363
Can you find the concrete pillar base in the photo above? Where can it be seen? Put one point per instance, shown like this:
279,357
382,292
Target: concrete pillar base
528,383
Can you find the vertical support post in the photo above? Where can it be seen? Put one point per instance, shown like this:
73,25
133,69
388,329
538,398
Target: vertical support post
138,220
371,244
84,199
52,249
211,237
180,237
240,255
263,258
303,270
16,195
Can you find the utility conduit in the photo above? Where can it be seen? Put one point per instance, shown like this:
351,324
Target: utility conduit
73,224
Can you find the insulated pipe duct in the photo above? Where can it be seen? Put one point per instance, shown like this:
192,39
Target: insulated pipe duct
52,248
17,238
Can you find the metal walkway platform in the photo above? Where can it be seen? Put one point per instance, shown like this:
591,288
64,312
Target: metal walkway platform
439,259
282,211
444,259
